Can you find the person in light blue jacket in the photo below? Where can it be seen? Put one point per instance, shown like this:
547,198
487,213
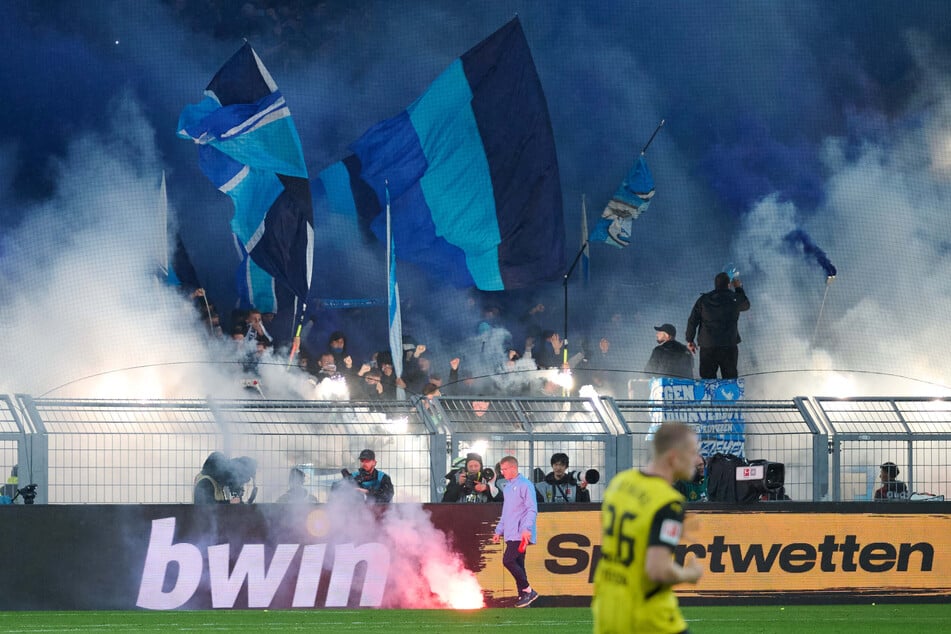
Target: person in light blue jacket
517,527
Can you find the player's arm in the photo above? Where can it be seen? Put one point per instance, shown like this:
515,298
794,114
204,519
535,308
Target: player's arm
665,534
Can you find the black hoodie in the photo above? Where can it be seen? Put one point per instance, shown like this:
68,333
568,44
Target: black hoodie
715,315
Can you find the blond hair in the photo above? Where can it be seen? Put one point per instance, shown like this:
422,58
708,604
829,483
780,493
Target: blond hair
670,436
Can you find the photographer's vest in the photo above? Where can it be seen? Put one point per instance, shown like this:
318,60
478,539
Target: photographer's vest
220,495
563,492
371,484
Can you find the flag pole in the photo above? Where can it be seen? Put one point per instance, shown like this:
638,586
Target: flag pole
815,331
651,140
567,276
295,344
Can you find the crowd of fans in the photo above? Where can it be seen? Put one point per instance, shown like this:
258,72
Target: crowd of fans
501,355
492,351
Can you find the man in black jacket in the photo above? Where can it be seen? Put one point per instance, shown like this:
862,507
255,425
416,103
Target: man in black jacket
669,357
715,315
470,484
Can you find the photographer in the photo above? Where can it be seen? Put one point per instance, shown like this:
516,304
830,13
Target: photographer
470,484
372,484
296,492
210,483
240,480
564,487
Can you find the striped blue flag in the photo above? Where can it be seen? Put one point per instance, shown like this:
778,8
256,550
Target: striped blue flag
249,148
472,171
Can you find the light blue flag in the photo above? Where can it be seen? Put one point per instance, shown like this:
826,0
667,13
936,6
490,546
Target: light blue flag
393,299
631,199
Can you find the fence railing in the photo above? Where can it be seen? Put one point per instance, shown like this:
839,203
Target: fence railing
125,452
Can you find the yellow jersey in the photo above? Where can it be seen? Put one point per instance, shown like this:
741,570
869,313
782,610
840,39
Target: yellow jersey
638,511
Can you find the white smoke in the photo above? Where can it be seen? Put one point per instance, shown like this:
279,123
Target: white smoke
87,312
873,328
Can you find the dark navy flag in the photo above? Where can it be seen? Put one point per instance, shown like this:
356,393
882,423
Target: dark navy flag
472,171
180,269
631,199
249,148
175,266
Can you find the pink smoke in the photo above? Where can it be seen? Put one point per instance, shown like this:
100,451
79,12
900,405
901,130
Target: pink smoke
425,572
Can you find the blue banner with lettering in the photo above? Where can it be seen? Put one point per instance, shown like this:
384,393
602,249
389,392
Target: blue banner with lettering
721,428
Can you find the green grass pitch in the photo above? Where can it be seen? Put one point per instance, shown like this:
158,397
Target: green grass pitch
864,619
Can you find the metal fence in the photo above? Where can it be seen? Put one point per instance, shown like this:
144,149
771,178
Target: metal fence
15,444
913,433
127,452
532,429
778,431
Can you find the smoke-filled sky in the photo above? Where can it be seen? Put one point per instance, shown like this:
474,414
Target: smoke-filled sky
830,118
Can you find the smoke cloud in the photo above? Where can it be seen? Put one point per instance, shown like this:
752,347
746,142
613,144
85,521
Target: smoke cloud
833,120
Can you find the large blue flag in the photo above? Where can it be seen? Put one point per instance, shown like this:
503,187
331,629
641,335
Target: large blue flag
631,199
472,171
249,148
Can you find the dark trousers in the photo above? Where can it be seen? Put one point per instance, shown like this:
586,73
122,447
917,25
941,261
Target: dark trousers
722,357
514,562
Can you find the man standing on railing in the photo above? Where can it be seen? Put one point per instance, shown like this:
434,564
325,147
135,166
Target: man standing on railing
715,316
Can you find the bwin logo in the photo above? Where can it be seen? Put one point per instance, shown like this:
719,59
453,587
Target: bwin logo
263,580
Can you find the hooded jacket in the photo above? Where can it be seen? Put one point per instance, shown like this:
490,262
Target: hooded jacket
715,315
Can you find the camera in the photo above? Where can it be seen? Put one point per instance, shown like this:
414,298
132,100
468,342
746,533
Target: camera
737,480
241,470
591,476
474,478
28,493
360,476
